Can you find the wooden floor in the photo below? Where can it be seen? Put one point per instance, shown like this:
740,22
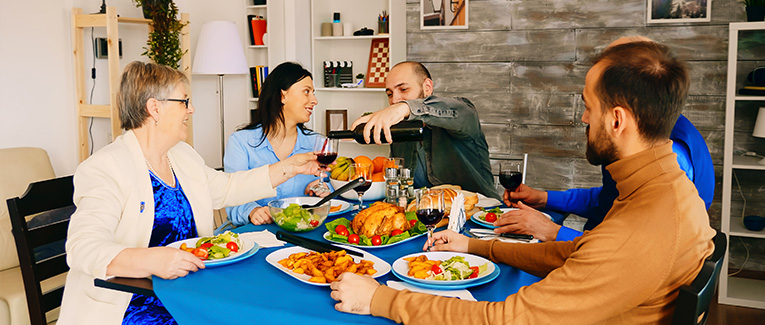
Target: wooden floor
734,315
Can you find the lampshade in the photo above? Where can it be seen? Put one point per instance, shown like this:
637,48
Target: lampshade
759,125
219,50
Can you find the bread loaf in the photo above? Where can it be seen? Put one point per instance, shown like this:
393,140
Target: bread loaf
450,192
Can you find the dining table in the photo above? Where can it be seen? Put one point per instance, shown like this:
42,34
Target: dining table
252,290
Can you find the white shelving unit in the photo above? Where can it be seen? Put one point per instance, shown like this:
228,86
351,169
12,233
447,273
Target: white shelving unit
735,290
356,49
257,54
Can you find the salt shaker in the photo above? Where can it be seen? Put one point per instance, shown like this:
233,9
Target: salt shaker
392,188
406,183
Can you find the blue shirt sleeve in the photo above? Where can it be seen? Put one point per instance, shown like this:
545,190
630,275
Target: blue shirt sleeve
236,159
567,234
579,201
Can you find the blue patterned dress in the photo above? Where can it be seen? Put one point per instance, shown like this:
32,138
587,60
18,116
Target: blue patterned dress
173,221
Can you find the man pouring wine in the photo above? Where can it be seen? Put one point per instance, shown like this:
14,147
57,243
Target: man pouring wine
453,149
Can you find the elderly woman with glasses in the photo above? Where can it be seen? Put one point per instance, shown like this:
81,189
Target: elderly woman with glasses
145,190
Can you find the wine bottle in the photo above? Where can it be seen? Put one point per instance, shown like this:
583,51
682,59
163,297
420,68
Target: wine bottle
402,131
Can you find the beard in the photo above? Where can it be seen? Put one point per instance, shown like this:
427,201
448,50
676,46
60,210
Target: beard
601,150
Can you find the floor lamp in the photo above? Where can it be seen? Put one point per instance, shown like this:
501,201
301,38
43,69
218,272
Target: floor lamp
759,128
219,52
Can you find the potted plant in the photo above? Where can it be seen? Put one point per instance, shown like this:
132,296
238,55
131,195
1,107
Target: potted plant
755,10
164,43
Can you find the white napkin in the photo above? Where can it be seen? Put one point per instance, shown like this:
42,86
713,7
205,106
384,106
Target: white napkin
487,202
462,294
264,238
457,216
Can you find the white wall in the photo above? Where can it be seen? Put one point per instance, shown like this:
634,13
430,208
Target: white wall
37,76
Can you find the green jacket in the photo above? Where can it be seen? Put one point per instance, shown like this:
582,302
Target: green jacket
454,146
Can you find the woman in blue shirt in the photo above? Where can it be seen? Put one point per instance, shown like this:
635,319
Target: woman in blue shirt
276,132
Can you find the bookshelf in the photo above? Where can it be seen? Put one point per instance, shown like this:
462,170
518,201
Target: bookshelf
257,55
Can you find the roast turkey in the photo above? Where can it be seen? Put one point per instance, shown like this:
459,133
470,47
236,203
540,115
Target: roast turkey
380,218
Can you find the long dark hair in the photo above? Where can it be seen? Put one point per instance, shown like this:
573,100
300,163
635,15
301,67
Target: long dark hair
270,112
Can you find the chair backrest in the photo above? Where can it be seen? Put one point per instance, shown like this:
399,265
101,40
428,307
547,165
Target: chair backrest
47,197
692,304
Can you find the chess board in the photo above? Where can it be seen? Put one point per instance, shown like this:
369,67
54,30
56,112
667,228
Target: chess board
379,63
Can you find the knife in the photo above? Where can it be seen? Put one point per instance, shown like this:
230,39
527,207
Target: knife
313,245
487,232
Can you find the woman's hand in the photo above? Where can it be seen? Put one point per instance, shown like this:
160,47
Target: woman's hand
164,262
309,191
260,215
447,240
301,163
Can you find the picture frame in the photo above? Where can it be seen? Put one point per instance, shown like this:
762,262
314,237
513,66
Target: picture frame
336,120
444,14
674,11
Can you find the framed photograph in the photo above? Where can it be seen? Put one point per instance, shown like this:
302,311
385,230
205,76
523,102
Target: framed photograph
336,120
678,11
443,14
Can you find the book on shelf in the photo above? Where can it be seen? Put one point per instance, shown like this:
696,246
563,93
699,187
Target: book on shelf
258,75
257,29
752,91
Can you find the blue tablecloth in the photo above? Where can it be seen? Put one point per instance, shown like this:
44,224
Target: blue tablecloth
254,291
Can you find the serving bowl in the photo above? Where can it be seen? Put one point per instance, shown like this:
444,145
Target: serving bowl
375,192
297,219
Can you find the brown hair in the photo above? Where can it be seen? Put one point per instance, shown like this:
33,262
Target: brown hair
647,79
141,82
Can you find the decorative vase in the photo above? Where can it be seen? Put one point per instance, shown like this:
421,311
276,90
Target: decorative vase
755,13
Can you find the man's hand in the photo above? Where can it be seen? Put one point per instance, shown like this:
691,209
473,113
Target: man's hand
528,221
533,198
382,120
260,216
447,240
354,293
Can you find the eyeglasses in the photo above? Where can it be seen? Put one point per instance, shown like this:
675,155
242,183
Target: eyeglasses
184,101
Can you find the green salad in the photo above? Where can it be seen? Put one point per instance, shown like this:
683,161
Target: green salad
347,236
295,218
456,268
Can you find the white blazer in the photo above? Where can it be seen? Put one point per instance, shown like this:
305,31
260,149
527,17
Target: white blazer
115,210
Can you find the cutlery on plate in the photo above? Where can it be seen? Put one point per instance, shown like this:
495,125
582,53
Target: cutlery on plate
347,187
313,245
490,233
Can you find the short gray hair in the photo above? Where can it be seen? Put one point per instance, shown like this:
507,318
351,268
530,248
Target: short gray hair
141,82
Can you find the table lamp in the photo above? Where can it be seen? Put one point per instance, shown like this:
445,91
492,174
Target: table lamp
219,52
759,128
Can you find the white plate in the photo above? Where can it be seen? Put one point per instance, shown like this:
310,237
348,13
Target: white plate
344,207
401,267
381,266
327,238
247,246
479,217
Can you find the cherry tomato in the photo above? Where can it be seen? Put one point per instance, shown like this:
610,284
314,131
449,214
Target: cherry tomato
342,231
232,246
353,238
396,232
475,272
314,223
412,222
436,269
337,229
491,217
376,240
206,245
200,252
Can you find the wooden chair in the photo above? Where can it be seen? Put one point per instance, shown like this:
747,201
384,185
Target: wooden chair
692,304
46,197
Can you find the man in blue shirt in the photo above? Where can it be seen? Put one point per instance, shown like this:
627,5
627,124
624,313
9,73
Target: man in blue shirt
593,203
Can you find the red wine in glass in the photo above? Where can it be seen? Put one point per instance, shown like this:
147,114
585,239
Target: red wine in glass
430,217
510,179
361,189
326,158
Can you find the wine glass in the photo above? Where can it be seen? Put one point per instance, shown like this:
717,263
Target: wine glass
510,175
429,208
326,153
356,170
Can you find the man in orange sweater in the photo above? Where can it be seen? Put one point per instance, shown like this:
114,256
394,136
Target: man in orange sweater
628,269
